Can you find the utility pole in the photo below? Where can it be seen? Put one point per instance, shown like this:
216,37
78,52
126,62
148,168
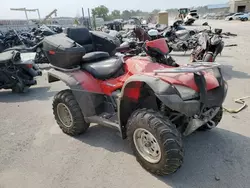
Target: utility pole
25,10
38,12
89,18
82,16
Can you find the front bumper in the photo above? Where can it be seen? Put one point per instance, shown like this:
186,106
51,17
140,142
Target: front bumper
192,107
175,102
192,103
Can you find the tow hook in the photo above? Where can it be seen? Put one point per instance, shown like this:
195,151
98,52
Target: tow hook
195,123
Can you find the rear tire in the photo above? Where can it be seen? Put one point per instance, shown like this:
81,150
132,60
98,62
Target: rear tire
68,114
170,49
208,58
161,152
2,48
20,88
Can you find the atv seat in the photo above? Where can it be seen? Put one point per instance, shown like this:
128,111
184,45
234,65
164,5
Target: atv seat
82,36
104,69
95,56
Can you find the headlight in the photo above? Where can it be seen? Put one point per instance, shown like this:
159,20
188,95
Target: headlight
215,72
186,93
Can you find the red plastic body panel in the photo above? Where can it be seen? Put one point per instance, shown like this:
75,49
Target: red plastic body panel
87,81
133,91
108,86
140,65
158,44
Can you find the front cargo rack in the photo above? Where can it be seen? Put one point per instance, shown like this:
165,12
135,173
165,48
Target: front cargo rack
189,68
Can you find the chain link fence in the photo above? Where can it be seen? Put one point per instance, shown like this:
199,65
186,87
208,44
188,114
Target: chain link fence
5,28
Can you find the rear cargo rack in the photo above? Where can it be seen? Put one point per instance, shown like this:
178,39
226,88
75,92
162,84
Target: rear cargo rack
189,68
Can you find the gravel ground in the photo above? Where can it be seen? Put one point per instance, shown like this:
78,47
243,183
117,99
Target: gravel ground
35,153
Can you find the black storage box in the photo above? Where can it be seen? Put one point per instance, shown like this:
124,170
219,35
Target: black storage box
104,42
82,36
63,52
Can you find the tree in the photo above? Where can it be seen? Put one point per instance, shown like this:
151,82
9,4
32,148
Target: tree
126,14
156,11
116,14
139,13
101,12
133,13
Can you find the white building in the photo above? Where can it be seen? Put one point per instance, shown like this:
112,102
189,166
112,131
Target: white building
239,6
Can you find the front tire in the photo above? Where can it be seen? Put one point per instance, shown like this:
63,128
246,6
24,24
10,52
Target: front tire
155,142
68,114
170,49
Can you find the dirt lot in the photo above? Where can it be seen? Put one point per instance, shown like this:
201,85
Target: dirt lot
34,152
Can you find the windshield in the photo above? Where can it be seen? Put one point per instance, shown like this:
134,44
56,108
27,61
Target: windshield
46,28
183,11
158,44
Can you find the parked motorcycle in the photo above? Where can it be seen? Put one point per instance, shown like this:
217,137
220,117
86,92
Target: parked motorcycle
43,31
9,40
16,74
12,38
56,28
210,44
180,39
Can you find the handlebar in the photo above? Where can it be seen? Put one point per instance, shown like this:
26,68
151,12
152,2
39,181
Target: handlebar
122,48
23,49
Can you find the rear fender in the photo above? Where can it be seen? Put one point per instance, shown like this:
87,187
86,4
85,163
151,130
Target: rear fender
141,91
88,101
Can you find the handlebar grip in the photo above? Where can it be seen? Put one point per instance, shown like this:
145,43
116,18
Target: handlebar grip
122,48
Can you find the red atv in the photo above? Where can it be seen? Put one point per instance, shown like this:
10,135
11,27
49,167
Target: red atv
150,103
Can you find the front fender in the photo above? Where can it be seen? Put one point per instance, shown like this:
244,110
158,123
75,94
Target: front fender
156,84
131,91
163,91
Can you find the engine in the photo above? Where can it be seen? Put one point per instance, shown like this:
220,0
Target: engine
180,46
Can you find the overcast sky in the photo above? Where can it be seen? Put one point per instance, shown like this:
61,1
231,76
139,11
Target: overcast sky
73,7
